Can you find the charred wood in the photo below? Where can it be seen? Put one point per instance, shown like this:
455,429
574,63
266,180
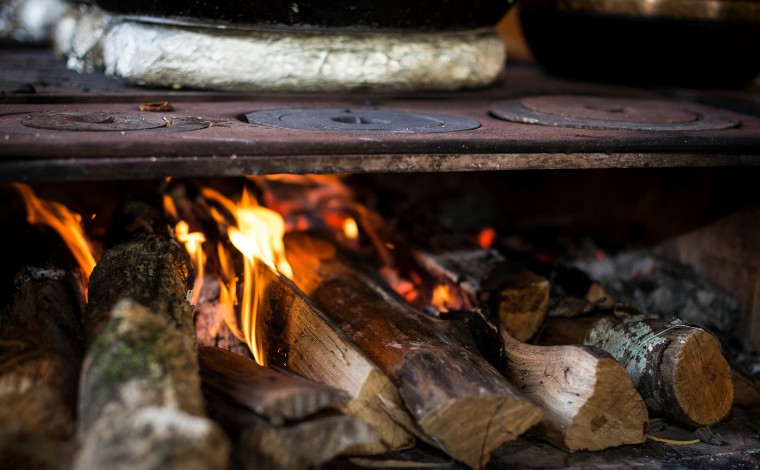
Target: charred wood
456,397
41,349
588,397
514,294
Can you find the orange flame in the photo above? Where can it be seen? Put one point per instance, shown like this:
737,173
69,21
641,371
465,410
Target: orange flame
66,223
193,242
442,297
350,229
257,234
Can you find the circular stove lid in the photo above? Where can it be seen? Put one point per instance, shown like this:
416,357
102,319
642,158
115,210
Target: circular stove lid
590,112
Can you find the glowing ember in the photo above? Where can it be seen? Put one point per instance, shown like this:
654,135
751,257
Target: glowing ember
442,298
486,237
66,223
193,242
351,229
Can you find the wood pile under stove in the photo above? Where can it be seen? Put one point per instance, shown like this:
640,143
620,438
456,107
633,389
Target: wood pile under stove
290,322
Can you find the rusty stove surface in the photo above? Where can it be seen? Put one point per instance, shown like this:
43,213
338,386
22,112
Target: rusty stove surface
89,127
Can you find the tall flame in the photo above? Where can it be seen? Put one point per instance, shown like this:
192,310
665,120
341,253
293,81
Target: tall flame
66,223
193,242
258,234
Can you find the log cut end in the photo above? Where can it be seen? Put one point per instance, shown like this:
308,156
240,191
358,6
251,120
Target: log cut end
470,429
613,414
701,377
523,304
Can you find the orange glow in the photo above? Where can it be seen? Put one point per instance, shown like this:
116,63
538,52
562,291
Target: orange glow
486,237
442,298
193,242
169,207
350,229
66,223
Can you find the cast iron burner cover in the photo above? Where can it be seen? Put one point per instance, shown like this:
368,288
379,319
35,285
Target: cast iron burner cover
358,121
111,122
587,112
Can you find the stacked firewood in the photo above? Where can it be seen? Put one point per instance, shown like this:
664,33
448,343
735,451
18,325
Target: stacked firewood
353,369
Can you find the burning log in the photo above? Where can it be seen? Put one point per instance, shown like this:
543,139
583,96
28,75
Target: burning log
279,421
517,295
40,359
297,336
589,399
678,368
456,397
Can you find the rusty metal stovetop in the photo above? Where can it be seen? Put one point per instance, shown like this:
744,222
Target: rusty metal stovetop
88,127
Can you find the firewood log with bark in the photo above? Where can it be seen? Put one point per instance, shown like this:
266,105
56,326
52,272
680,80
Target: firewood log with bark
678,368
41,350
278,421
588,397
456,397
140,403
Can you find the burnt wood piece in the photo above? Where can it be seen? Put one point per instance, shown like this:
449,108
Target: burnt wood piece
299,337
678,368
140,404
456,397
277,420
516,295
588,397
41,351
211,327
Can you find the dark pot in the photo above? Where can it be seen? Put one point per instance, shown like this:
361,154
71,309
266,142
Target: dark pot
696,43
352,15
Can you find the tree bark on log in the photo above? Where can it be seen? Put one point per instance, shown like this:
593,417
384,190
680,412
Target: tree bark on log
140,403
588,397
746,390
678,368
278,421
518,297
456,397
297,336
41,350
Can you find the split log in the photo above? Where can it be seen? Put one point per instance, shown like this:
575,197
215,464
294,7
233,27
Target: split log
516,295
456,397
41,349
140,404
269,393
588,397
278,421
678,368
297,336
